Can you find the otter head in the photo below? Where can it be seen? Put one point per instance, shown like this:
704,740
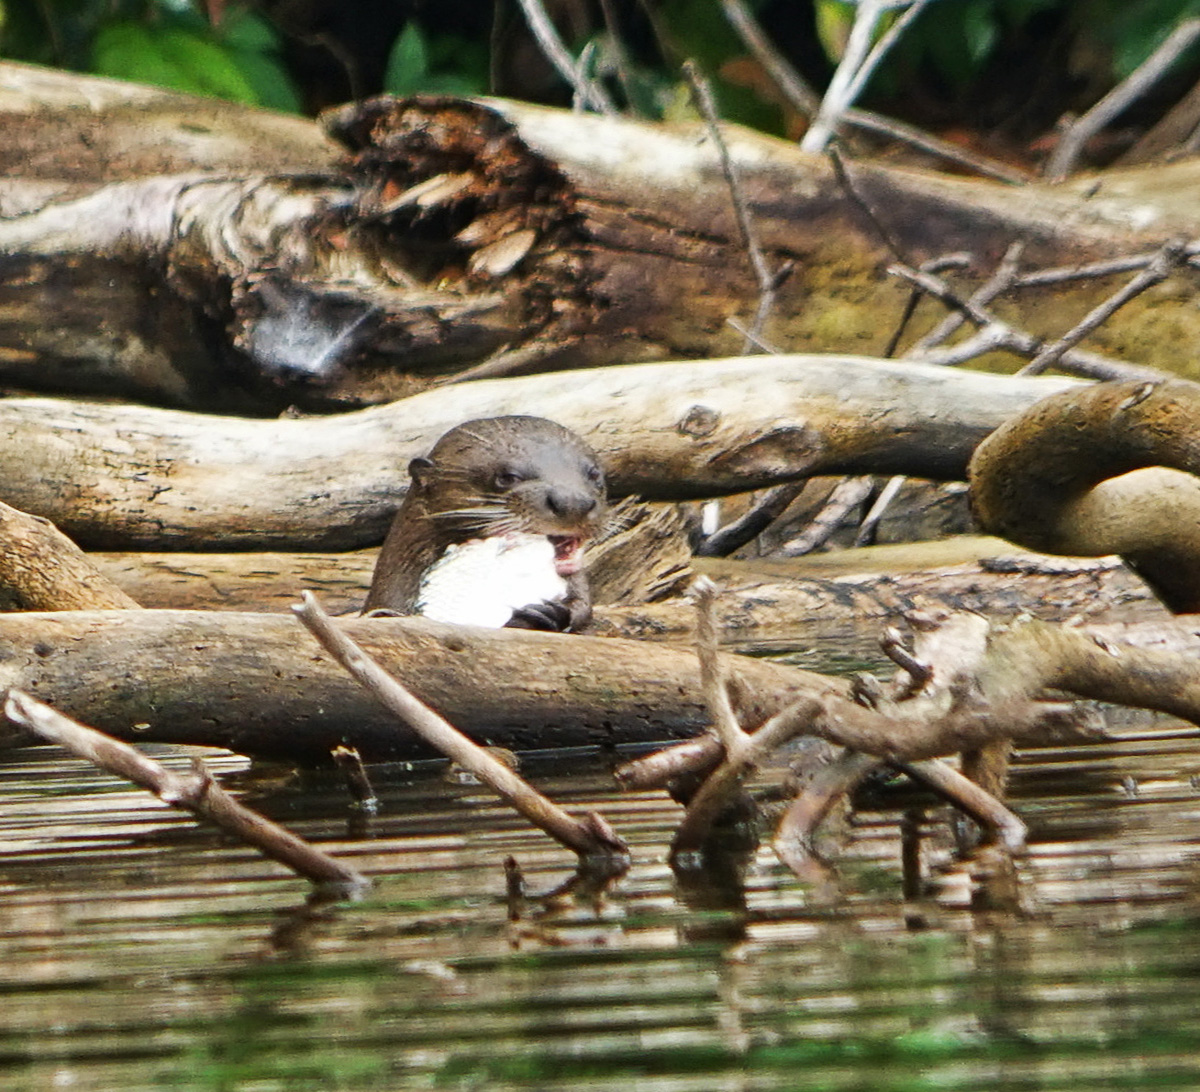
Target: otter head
512,474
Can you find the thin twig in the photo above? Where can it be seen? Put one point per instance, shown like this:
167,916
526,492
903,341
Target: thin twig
856,67
754,339
900,131
995,335
807,102
995,286
1164,263
1129,90
590,93
851,191
1090,271
866,529
768,281
617,45
577,835
196,792
933,265
795,89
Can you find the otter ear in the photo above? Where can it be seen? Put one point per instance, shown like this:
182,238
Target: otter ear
419,470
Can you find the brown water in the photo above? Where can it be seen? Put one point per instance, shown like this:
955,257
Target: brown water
142,952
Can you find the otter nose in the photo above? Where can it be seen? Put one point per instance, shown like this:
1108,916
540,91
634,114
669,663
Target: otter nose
569,504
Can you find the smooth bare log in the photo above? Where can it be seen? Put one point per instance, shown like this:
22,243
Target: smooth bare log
133,477
1107,469
256,684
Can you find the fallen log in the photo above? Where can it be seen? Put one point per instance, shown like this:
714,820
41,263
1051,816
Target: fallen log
131,477
843,596
259,685
211,256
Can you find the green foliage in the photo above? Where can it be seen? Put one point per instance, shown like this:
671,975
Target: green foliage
160,42
1131,32
445,65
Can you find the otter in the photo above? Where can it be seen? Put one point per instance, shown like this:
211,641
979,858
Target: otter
492,528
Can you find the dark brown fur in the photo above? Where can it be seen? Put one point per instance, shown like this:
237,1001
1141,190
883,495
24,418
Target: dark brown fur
486,477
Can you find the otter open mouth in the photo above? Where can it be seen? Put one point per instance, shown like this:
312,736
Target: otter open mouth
568,554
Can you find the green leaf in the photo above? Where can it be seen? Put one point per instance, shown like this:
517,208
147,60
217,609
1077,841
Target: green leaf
211,68
408,64
127,51
834,20
269,80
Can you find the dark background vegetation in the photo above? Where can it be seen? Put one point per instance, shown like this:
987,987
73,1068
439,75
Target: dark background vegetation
998,74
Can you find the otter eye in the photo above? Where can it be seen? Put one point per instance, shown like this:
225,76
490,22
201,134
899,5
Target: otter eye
594,474
505,479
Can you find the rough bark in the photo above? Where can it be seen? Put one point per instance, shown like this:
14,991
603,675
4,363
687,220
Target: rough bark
121,477
204,254
42,569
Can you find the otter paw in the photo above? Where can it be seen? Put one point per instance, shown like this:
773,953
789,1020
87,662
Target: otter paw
552,615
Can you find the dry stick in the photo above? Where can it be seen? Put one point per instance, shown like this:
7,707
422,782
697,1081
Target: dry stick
1161,267
349,761
697,757
1141,80
847,495
979,804
806,101
713,796
857,65
617,45
864,206
768,281
995,334
590,837
196,792
934,265
1090,270
1004,278
741,750
588,91
757,340
713,683
793,840
866,529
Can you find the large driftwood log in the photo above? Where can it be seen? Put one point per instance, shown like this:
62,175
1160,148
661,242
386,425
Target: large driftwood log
254,684
208,255
260,685
842,597
121,477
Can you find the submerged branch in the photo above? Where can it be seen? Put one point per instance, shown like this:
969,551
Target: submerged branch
197,792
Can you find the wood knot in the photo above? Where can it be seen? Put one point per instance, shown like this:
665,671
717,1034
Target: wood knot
698,422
